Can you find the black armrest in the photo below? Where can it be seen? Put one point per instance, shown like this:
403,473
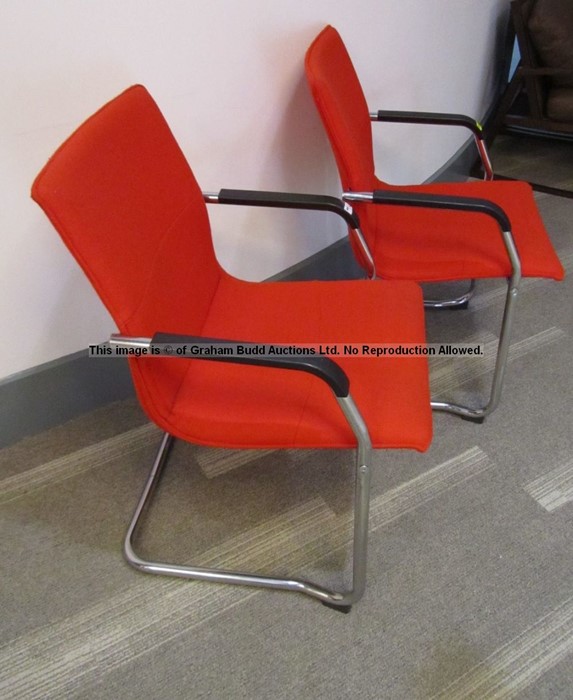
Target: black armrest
286,200
322,367
433,201
438,118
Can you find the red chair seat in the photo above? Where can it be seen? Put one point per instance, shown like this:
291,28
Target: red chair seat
261,407
429,245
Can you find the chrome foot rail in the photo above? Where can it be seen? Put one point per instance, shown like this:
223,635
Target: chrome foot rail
460,302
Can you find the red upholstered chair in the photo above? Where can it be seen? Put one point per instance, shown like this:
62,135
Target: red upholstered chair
428,233
125,202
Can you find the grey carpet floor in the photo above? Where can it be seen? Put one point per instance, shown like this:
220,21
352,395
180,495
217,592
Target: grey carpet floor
470,573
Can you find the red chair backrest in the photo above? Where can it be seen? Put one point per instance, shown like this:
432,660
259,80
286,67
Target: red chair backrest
124,200
342,106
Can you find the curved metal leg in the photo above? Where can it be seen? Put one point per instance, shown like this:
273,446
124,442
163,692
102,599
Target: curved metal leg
478,415
338,600
460,302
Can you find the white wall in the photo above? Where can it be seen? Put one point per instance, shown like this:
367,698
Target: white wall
229,78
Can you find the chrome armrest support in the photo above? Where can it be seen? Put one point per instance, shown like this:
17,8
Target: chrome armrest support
290,200
452,203
441,119
448,202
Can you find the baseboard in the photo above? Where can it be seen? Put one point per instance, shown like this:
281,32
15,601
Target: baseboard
53,393
336,262
538,133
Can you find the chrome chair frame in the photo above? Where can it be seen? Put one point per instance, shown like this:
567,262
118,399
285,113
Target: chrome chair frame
338,600
490,209
323,367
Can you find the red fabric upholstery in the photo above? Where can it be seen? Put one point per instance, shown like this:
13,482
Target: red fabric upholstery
125,202
412,243
343,109
245,406
433,245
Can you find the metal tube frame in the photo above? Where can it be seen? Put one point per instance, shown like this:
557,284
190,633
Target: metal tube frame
478,415
460,302
484,157
366,252
341,601
479,142
213,198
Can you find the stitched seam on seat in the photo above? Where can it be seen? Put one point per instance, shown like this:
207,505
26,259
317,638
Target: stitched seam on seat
157,255
302,412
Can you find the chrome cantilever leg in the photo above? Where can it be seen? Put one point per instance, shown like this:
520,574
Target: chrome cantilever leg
478,415
339,600
475,414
